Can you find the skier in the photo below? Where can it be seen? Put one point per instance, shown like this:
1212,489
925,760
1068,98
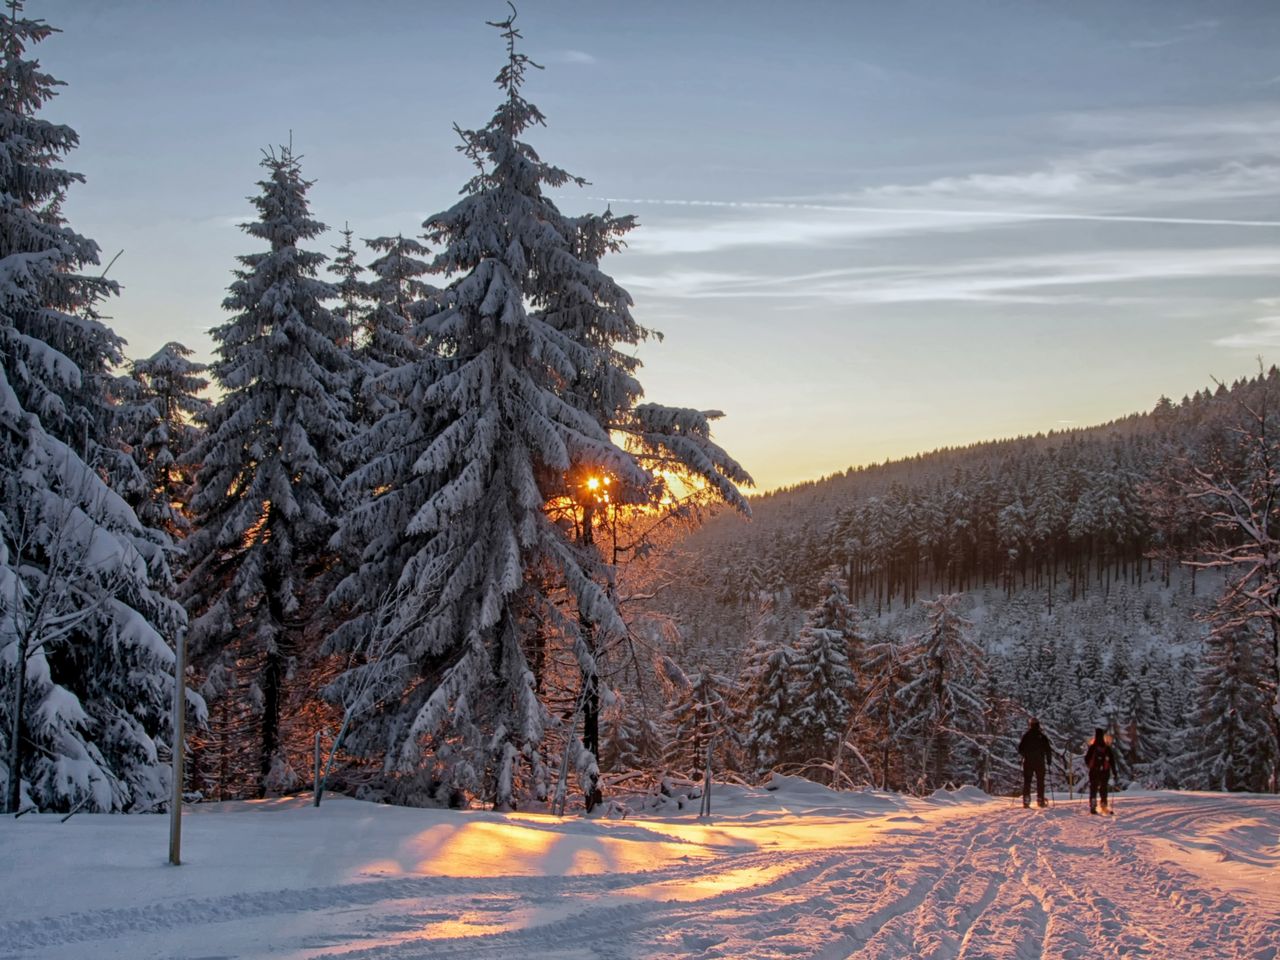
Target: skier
1100,761
1035,749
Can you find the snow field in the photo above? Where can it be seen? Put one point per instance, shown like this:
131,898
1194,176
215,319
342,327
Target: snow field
797,871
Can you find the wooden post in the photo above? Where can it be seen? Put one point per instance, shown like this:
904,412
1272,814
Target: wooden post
704,809
179,725
316,781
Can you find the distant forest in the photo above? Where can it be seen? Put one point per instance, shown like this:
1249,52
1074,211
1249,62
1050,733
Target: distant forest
1102,576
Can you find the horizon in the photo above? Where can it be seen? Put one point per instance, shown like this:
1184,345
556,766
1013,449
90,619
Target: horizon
756,492
863,234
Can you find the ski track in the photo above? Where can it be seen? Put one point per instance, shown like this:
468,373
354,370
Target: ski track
993,884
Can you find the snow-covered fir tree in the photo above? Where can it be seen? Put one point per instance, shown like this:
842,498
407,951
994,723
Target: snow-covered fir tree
1234,497
1232,747
824,682
86,673
387,341
268,489
770,666
351,291
395,290
506,411
630,739
884,670
161,423
942,701
699,716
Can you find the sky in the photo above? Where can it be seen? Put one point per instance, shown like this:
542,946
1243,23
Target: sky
866,230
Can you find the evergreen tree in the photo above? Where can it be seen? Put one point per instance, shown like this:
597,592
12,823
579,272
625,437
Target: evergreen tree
394,293
268,488
493,424
1235,500
85,671
351,291
824,682
942,700
699,717
884,669
1233,747
161,426
770,700
631,739
388,341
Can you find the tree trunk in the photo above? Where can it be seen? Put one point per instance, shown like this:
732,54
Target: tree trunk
13,795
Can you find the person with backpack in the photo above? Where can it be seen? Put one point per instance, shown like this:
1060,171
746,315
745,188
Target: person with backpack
1100,761
1035,750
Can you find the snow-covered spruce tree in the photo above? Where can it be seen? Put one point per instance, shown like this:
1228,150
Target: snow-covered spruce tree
495,423
85,672
387,341
885,675
161,422
942,702
698,716
268,488
664,440
630,737
769,737
1236,497
824,683
351,291
1232,748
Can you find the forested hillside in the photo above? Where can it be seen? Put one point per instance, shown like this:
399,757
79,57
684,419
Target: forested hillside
1086,568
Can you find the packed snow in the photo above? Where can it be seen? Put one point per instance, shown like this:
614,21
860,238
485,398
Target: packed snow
792,871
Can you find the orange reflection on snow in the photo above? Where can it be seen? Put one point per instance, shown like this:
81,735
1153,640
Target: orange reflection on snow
489,850
530,845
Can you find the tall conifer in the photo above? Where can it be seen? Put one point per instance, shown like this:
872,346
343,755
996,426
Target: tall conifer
85,672
269,483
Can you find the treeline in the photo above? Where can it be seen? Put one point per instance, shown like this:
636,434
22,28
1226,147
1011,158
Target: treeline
1071,512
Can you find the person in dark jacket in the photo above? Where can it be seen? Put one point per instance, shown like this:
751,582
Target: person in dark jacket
1101,762
1035,750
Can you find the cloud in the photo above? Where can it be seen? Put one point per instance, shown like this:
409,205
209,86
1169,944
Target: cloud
573,56
1050,279
1203,171
739,224
1178,166
1266,334
1186,32
1132,161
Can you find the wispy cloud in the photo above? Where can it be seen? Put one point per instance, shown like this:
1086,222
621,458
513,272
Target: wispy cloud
784,224
1174,166
1184,33
1035,279
1265,332
573,56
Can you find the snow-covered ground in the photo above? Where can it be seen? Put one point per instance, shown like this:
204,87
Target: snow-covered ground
796,871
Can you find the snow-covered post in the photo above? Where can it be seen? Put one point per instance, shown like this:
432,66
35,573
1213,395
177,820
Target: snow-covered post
179,739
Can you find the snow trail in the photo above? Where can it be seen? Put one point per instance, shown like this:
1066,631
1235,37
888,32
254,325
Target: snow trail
969,881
